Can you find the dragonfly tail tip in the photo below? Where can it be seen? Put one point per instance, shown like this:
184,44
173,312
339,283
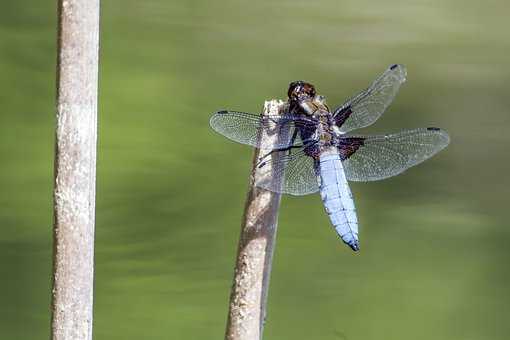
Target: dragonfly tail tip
354,245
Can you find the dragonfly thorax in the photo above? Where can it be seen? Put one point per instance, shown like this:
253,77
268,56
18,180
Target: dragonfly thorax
324,130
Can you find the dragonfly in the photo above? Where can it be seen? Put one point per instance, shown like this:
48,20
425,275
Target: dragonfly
322,155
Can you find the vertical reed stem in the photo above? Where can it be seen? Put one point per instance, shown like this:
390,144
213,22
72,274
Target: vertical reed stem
247,309
75,169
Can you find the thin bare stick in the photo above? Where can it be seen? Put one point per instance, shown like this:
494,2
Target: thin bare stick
248,298
75,169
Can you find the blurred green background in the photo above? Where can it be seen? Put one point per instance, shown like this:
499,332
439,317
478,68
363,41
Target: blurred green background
434,253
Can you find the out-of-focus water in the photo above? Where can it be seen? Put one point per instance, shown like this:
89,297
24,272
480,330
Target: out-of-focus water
434,241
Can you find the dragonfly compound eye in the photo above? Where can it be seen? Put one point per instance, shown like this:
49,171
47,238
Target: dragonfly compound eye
294,89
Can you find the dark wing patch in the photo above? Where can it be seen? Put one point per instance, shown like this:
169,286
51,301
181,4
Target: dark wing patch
348,146
341,116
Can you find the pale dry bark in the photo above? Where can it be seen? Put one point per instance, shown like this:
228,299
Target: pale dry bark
247,309
75,169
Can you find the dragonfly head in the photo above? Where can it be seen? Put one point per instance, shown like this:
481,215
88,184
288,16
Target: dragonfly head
301,90
301,95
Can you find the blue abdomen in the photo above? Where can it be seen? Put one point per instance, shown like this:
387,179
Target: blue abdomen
337,198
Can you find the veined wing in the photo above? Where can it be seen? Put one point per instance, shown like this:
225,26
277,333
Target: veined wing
366,107
245,128
371,158
290,172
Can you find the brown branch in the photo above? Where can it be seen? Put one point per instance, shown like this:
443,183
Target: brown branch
75,169
247,309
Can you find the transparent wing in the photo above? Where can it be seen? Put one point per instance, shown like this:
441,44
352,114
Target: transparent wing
245,127
366,107
379,157
291,172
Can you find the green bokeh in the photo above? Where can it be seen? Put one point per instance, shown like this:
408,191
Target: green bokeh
434,257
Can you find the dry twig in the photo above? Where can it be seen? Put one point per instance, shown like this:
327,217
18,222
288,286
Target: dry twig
75,169
248,298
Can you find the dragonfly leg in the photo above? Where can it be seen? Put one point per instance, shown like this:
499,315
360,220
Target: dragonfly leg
293,138
291,146
262,160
